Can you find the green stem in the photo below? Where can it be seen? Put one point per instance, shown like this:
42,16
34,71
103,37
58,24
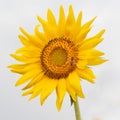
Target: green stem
77,111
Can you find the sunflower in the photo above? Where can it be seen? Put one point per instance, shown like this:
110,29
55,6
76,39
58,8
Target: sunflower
57,57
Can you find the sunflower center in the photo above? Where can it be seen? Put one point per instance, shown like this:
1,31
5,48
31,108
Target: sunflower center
59,58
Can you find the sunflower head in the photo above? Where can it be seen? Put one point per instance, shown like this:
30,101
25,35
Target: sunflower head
58,57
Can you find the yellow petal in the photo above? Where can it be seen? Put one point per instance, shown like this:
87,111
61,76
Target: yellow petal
19,58
100,33
23,68
51,18
82,34
87,25
37,89
34,51
33,39
84,31
70,22
70,90
27,76
89,54
50,31
61,22
18,71
17,66
24,59
96,61
82,64
24,40
48,88
27,92
35,94
28,54
61,90
97,36
86,74
79,19
75,83
77,27
70,18
41,35
34,81
88,44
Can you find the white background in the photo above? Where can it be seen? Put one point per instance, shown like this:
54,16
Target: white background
102,100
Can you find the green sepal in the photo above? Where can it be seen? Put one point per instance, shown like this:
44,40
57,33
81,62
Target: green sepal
71,101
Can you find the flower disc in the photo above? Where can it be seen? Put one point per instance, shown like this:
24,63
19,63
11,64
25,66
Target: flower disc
59,58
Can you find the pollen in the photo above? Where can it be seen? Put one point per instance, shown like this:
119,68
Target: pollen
59,58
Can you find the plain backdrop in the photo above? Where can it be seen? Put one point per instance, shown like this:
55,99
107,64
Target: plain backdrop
102,101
